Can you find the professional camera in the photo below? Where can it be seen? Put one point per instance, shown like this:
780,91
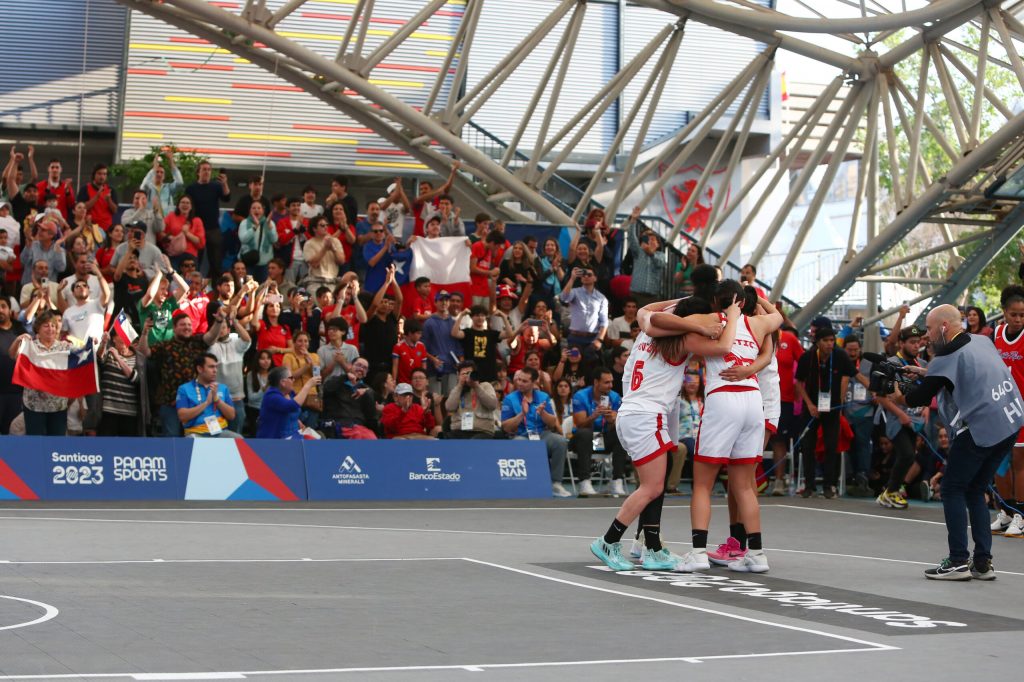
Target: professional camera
886,376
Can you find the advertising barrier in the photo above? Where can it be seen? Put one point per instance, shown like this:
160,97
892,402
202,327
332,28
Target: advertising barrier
426,470
44,468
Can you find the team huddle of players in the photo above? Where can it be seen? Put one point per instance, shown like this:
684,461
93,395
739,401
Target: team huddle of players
736,333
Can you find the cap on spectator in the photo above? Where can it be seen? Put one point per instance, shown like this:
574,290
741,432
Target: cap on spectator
178,314
136,225
910,332
391,188
403,389
4,204
821,321
441,294
300,291
505,291
381,200
824,333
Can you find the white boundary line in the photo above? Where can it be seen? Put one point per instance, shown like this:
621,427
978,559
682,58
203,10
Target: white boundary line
399,530
5,508
481,667
49,612
850,513
303,560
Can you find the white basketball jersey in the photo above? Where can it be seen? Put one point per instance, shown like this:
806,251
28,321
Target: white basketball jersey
768,380
649,382
743,352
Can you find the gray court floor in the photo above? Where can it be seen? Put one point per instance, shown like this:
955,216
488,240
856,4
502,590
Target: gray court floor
505,590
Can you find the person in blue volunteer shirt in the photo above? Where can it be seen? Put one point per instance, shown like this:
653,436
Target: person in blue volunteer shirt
204,406
279,414
594,410
528,413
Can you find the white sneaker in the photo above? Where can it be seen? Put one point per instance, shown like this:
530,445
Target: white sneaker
558,490
779,489
754,561
587,488
1002,522
617,488
1016,527
694,560
637,550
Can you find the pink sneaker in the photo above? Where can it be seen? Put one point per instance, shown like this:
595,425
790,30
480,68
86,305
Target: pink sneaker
727,551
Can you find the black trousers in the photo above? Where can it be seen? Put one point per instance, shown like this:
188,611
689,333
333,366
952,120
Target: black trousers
119,425
583,445
903,451
829,422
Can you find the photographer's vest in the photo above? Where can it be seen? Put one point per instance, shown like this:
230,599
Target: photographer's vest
985,398
916,414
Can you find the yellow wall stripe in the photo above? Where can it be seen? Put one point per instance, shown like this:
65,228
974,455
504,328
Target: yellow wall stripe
335,37
178,48
396,84
290,138
143,136
196,100
390,164
440,53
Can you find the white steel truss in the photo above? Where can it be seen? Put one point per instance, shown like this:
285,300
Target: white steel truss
889,105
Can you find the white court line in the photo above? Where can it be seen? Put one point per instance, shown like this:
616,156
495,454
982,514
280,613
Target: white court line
467,667
320,509
49,612
408,530
303,560
691,607
849,513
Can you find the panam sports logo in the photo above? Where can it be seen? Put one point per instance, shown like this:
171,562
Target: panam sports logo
350,473
435,472
512,469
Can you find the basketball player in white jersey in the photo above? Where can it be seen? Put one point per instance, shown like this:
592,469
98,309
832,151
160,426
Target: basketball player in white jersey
766,369
652,380
732,434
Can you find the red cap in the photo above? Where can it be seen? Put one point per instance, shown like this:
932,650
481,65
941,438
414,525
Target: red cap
505,291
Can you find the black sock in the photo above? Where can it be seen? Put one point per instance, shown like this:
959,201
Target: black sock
754,541
740,533
615,532
652,538
700,539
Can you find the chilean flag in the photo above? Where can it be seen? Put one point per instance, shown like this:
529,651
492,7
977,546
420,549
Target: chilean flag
65,373
123,328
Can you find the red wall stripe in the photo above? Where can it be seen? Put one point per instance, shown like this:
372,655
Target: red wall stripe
194,41
330,129
148,72
237,152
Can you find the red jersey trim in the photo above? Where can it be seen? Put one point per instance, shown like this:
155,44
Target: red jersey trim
734,389
726,461
667,447
770,427
750,331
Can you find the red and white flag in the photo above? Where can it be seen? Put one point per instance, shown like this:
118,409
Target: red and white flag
444,260
65,373
123,328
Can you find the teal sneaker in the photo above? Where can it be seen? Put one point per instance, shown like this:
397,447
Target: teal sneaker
611,555
662,560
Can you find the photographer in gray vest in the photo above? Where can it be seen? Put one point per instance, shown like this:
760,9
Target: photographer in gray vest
980,403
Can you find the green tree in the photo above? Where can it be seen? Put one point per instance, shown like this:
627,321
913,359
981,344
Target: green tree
128,174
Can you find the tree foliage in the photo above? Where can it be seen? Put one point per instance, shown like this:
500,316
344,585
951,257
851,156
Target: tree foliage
128,174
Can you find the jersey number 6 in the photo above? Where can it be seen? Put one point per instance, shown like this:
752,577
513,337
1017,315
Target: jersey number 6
638,377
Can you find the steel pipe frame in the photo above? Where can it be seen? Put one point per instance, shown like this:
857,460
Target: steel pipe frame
895,309
908,219
398,109
929,252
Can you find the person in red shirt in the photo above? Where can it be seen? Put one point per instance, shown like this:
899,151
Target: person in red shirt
484,266
420,307
409,353
350,308
405,419
288,229
99,197
787,355
270,333
54,186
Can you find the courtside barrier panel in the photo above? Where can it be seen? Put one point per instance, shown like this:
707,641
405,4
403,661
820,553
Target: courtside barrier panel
426,470
45,468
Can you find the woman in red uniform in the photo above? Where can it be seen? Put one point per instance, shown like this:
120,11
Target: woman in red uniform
1009,340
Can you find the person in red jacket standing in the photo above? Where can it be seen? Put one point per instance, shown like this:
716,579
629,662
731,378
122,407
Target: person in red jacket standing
405,419
54,186
99,197
788,354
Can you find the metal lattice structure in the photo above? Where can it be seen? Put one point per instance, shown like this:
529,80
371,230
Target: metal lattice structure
951,174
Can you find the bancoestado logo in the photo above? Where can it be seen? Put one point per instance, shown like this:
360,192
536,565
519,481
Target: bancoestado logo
435,472
350,473
140,469
77,468
512,469
805,600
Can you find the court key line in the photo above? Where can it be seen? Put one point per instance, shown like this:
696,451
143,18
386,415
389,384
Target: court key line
49,612
415,530
850,513
322,509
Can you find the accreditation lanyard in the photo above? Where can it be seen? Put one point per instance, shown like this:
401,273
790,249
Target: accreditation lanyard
468,415
825,398
212,422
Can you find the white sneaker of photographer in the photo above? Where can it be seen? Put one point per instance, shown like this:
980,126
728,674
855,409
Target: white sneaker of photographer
617,488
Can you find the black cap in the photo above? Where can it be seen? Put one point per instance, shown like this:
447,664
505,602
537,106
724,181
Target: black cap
137,225
911,332
824,333
821,321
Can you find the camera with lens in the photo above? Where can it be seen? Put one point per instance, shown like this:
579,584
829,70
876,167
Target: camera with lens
886,376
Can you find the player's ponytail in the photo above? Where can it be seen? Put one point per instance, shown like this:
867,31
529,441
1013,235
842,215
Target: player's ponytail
672,347
705,281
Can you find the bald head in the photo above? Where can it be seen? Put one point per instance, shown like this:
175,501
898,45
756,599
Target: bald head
943,323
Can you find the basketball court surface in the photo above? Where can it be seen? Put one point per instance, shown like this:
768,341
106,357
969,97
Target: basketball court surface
503,590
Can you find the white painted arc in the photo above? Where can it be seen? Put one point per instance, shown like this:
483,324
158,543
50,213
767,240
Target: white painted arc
49,613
